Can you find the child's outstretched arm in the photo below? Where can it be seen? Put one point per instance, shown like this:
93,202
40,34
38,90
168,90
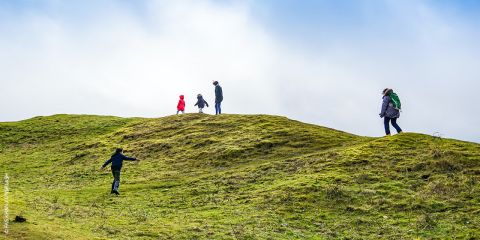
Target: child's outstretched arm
128,158
206,103
106,163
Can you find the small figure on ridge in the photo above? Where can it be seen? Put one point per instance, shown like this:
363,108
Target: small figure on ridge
218,98
200,103
181,105
390,110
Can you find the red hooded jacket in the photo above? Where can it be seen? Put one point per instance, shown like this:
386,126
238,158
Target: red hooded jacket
181,104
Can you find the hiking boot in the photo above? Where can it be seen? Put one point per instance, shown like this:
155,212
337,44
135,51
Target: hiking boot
116,192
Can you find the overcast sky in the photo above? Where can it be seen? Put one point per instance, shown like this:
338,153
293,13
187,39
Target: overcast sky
318,61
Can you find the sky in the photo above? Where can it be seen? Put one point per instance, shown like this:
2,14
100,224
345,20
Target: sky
318,61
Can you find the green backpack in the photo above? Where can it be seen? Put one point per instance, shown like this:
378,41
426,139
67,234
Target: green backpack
395,101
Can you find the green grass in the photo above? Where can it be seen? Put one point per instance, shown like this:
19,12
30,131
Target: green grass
235,177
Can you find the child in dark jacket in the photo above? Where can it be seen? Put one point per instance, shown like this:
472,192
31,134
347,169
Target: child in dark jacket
117,161
181,105
200,103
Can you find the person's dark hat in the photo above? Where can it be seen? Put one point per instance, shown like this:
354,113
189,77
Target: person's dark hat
386,91
215,83
119,150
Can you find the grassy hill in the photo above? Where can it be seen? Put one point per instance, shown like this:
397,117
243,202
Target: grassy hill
235,177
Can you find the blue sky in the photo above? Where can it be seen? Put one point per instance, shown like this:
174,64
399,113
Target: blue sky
321,61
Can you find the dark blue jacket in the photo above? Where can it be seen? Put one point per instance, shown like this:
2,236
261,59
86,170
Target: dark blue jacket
388,110
218,94
201,102
117,160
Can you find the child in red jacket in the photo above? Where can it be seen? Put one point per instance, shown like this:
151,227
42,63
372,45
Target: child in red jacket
181,105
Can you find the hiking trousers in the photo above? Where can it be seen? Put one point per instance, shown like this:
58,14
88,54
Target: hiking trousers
116,178
386,122
218,108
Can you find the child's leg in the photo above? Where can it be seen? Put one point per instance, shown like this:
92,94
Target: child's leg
200,110
113,182
116,179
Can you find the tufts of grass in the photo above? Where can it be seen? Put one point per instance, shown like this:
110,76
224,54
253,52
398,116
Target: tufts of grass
235,177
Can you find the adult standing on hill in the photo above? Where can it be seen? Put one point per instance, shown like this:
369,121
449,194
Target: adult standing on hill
389,111
218,98
117,161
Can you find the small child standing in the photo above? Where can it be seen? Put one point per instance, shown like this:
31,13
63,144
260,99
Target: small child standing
181,105
201,103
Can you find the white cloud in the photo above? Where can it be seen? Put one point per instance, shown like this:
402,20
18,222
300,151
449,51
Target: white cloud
123,63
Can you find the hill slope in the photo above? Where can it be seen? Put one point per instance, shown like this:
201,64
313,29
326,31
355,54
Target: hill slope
235,177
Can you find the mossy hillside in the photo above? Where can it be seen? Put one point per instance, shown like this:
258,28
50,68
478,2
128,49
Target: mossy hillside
235,177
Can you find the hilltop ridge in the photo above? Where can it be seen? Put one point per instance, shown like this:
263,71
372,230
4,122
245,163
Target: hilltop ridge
235,177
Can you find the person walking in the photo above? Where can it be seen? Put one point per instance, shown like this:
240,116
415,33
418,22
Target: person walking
390,111
117,161
201,103
218,98
181,105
